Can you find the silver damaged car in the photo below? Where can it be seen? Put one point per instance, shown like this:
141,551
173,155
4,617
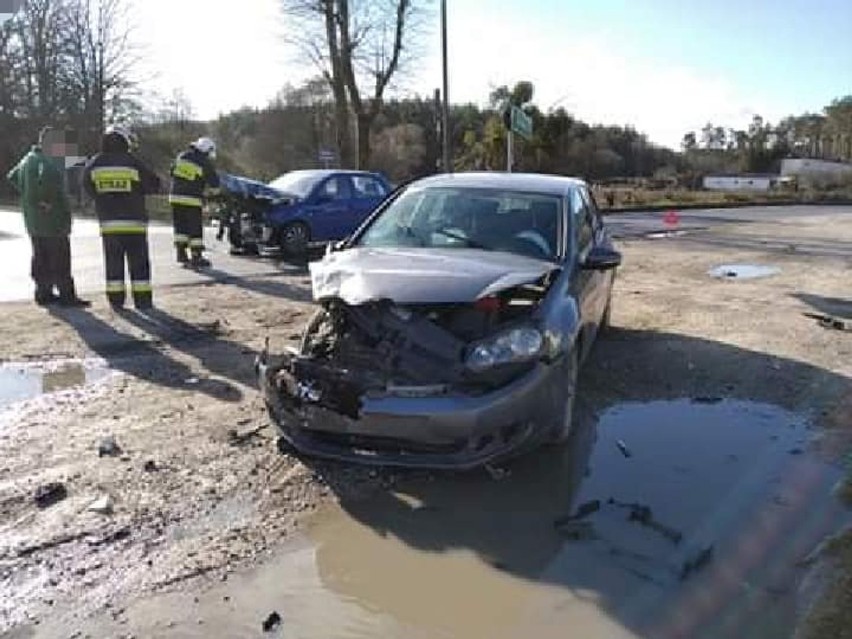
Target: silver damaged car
451,326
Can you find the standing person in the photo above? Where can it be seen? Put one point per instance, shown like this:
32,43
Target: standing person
38,177
191,172
118,182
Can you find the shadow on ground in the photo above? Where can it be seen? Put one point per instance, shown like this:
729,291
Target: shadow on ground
143,358
833,306
509,523
220,356
264,284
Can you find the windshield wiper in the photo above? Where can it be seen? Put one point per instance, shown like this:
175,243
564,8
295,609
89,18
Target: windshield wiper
461,238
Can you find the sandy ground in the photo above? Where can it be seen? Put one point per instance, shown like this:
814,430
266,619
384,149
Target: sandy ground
200,488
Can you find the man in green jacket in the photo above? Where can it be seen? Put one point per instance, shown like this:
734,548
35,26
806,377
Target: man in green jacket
38,178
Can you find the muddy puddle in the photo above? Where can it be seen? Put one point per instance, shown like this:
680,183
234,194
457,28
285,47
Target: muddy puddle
666,519
23,381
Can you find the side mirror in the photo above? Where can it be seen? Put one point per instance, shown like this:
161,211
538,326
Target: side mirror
601,258
333,247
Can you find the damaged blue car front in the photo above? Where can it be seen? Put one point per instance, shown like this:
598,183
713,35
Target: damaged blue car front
299,209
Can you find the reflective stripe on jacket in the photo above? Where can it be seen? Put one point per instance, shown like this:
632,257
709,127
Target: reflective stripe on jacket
192,172
119,182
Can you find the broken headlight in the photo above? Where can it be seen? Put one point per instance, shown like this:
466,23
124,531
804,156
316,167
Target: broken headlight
510,347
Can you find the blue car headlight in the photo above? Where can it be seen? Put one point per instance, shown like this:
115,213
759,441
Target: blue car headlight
517,345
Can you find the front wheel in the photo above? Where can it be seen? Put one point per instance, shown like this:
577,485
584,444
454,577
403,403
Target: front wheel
563,427
294,239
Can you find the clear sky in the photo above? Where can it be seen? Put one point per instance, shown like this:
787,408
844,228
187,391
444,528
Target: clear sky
663,66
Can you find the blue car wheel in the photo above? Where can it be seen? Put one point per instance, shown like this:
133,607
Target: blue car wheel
294,239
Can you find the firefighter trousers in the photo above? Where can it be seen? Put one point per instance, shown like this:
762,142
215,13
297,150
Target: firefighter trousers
132,248
189,229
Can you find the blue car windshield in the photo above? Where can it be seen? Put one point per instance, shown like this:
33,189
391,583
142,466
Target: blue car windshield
487,219
299,183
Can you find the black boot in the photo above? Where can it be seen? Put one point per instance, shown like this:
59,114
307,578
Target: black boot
198,260
68,296
182,256
45,297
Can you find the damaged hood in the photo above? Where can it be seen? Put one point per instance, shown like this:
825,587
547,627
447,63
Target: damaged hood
421,276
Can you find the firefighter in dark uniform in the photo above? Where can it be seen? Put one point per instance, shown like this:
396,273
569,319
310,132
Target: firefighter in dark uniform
118,182
192,172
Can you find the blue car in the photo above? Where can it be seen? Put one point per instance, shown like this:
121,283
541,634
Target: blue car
301,208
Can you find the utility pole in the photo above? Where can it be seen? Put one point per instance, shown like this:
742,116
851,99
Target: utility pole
445,116
510,150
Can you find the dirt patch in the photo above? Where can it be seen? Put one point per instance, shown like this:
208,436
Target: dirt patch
197,485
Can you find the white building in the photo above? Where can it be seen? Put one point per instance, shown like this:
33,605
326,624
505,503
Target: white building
739,182
818,170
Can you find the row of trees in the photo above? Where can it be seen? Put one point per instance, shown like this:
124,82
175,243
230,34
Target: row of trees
64,62
72,62
404,138
761,146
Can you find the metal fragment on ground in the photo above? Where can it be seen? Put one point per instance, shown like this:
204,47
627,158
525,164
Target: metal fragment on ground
50,494
696,562
108,447
271,622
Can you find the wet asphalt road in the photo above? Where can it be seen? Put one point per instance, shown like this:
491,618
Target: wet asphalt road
702,226
87,260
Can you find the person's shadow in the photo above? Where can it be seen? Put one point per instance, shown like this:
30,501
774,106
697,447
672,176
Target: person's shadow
141,355
204,342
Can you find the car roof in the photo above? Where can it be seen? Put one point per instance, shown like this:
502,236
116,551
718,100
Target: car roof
531,182
325,172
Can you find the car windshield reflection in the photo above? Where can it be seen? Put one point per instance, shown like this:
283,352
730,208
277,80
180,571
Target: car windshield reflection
511,221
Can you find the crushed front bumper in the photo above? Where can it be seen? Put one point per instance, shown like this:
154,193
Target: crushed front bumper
321,412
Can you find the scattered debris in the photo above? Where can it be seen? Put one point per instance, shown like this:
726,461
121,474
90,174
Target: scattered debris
659,235
623,448
272,622
827,321
108,447
583,511
643,515
50,494
707,400
700,559
110,537
103,505
26,551
191,380
576,530
150,466
236,438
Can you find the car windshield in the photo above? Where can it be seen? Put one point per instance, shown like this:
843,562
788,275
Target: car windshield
487,219
296,182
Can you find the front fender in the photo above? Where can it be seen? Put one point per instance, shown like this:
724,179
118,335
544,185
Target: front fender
561,324
280,216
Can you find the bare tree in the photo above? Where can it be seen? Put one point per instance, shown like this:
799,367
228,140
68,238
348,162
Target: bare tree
102,60
358,46
40,28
